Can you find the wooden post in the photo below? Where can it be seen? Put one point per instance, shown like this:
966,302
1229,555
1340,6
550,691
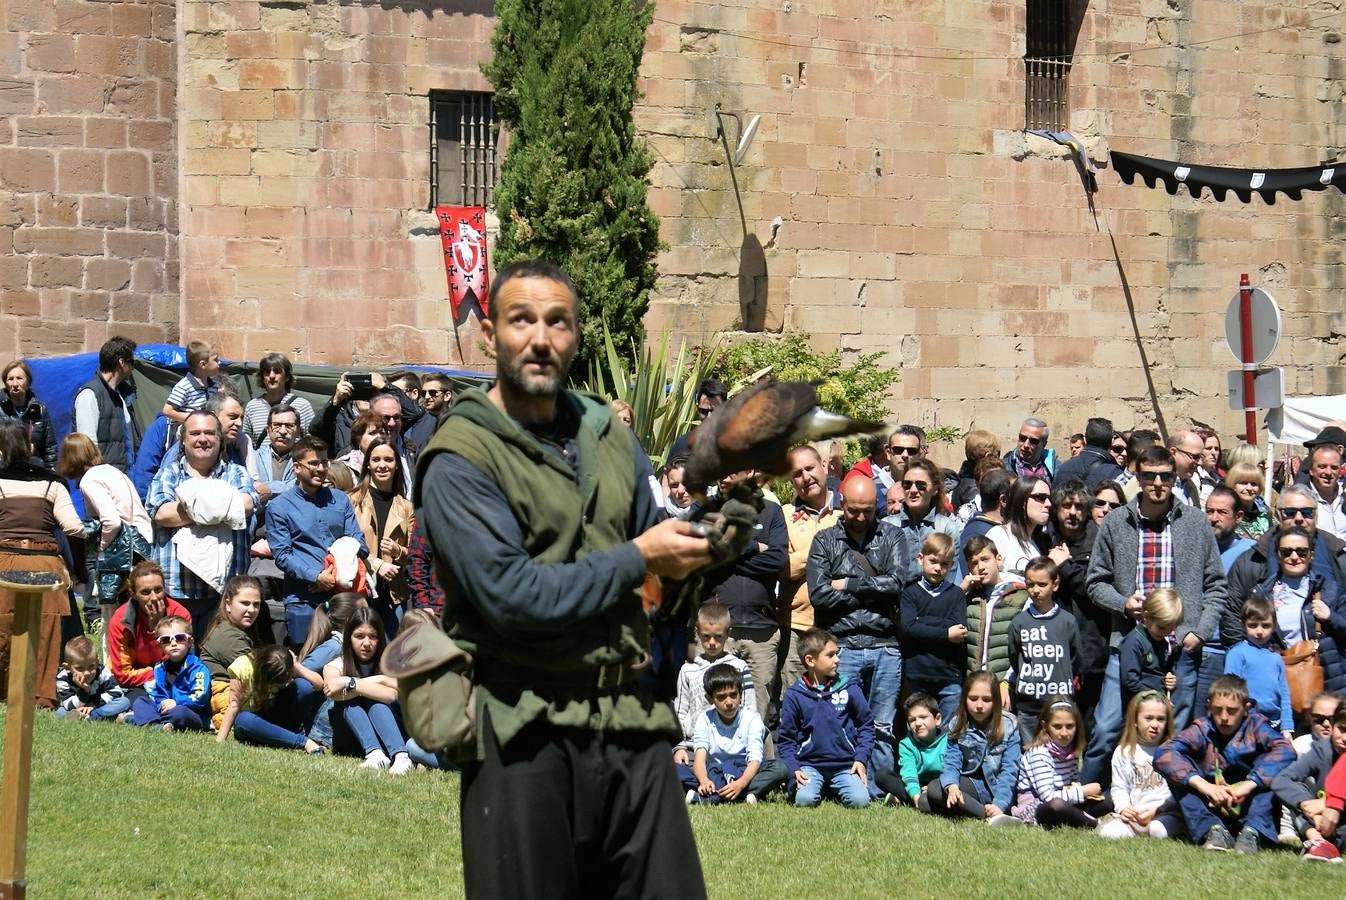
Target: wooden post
19,738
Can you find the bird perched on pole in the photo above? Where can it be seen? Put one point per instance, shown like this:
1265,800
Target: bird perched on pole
758,427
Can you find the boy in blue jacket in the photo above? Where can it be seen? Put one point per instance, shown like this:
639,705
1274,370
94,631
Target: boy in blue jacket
1221,768
826,729
179,695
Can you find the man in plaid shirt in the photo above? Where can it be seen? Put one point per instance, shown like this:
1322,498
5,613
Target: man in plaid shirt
1150,543
201,457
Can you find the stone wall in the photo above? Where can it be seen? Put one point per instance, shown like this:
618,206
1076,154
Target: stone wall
306,176
902,209
88,174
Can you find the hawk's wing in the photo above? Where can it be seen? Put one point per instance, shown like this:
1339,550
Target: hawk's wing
766,414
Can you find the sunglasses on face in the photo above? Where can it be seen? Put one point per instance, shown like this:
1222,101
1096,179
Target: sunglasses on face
1099,503
1287,552
902,451
916,485
1071,504
1317,719
1041,498
1025,439
1162,477
178,638
1292,512
431,392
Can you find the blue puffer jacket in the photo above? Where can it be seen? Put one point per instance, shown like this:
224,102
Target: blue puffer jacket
1333,634
991,769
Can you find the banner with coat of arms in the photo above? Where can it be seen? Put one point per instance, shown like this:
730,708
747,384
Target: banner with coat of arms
462,230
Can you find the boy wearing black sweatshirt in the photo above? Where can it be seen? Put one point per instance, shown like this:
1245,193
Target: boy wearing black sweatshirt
933,615
1044,648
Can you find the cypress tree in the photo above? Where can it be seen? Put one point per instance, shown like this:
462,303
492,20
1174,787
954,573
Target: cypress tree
572,186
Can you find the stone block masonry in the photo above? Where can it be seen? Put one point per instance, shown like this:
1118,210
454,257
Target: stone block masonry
88,174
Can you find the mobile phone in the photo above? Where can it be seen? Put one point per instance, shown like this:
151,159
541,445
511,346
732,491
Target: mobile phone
362,384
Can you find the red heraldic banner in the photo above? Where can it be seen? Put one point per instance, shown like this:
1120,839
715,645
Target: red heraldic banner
462,229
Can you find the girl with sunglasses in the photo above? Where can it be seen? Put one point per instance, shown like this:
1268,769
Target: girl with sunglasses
1107,497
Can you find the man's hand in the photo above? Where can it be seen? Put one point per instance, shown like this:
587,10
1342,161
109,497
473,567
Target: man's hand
166,705
681,757
858,768
957,634
262,490
326,580
377,380
1133,605
344,390
1059,554
1191,643
1170,681
838,584
801,778
672,548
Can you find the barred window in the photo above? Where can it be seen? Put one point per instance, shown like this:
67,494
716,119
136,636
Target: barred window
1049,47
463,144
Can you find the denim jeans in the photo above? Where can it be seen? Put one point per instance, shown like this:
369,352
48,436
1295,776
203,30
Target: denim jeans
374,725
1255,814
284,721
843,783
946,695
1097,763
1212,667
1186,669
878,671
770,776
321,730
182,717
106,712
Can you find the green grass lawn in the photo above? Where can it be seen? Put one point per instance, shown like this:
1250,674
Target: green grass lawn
121,812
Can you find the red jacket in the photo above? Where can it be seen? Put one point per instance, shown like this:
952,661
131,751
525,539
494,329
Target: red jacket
1334,788
132,648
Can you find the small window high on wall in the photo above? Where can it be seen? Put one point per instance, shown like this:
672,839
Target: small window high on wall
464,158
1049,48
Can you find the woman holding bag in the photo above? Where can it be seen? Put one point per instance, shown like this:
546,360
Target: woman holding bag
1308,608
125,532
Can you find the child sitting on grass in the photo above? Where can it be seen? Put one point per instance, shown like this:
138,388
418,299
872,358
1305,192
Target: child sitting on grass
933,613
920,755
271,700
1220,768
1147,656
1301,786
1050,793
982,757
232,633
85,688
1140,796
728,740
179,694
826,729
692,702
1262,668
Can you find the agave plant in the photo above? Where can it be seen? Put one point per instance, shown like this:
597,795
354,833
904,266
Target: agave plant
660,388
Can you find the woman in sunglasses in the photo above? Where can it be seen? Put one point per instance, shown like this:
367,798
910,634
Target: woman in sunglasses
1107,497
1024,534
1247,482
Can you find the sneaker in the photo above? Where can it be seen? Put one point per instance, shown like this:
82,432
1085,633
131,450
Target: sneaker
376,759
890,800
1003,820
690,798
1320,851
750,799
167,728
1218,838
1248,842
402,764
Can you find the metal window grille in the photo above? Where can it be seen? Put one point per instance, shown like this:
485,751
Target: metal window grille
463,143
1047,59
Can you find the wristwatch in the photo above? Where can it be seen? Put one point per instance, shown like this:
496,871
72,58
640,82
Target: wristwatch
350,684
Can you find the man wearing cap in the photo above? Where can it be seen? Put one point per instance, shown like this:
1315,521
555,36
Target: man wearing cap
1324,465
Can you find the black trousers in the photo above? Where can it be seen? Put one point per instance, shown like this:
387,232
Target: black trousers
562,813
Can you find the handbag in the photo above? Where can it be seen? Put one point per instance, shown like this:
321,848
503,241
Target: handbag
434,686
1304,674
117,559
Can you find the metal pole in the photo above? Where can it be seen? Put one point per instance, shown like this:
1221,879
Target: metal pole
19,743
1249,367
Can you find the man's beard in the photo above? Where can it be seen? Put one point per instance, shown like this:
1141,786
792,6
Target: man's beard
512,373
